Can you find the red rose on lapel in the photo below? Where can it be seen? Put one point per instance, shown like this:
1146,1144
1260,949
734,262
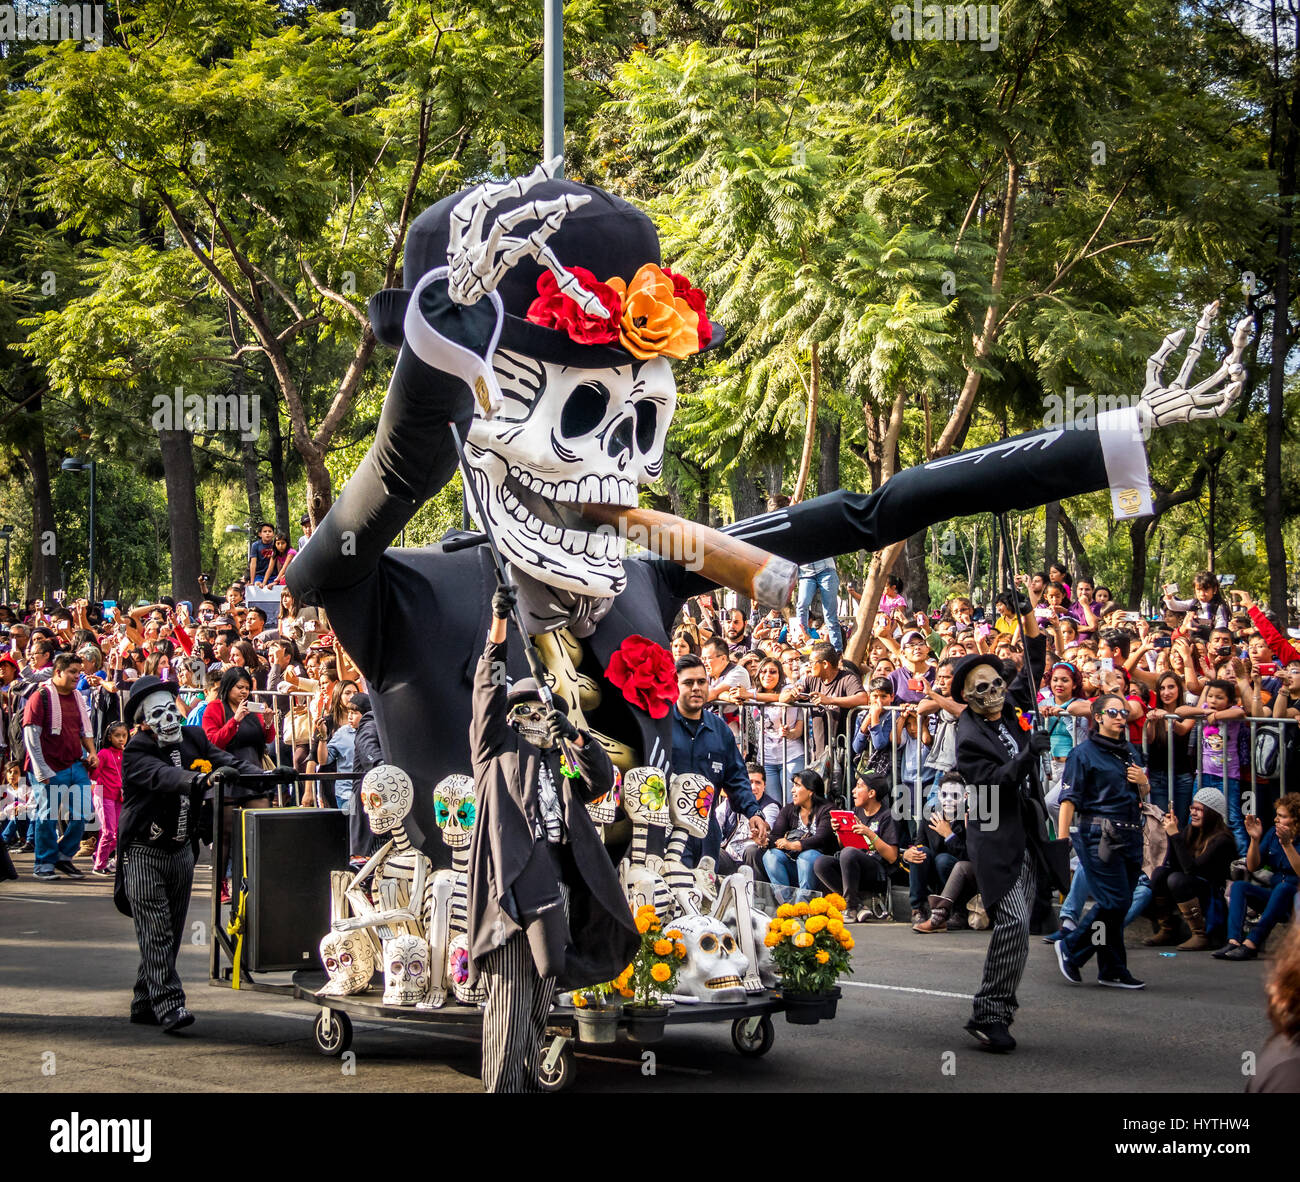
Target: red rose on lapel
646,674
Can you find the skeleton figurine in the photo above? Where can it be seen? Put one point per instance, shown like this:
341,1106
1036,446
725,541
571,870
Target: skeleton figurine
349,960
406,970
645,800
735,907
402,881
714,969
454,810
690,797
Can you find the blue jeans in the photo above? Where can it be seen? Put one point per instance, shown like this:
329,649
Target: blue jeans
782,868
1072,908
780,780
1231,789
826,584
1112,885
1184,789
66,794
922,876
1278,901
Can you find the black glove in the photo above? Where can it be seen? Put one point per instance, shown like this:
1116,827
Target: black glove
503,601
559,727
1040,743
227,777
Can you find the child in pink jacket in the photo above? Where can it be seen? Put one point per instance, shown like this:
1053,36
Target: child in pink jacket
108,795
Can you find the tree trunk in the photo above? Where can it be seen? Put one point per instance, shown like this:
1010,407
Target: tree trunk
746,501
182,511
1138,532
1051,537
252,484
44,576
917,577
280,489
1082,567
774,476
810,429
828,441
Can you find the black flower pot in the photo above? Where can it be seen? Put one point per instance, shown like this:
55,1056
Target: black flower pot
645,1023
804,1009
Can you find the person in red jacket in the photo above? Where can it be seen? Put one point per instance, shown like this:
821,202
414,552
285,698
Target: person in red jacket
1282,648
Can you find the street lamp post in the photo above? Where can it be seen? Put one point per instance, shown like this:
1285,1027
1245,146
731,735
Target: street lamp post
79,465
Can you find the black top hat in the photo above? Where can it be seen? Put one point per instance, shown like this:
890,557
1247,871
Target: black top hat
606,235
525,690
143,687
966,664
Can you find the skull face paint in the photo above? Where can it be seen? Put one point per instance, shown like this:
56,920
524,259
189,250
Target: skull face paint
454,809
349,959
528,721
406,970
569,436
160,712
952,798
714,968
386,795
985,691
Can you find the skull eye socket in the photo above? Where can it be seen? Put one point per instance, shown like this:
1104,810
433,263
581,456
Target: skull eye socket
465,814
708,943
441,810
584,409
647,424
395,968
331,964
415,968
728,944
346,960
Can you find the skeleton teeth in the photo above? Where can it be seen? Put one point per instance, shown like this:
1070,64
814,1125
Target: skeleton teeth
608,489
572,541
519,513
550,533
568,490
589,490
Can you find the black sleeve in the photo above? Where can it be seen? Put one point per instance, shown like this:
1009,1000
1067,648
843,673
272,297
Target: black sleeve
143,772
488,729
597,770
823,835
1024,689
782,823
978,766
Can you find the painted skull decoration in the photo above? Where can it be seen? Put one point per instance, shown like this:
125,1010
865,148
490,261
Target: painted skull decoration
454,808
645,797
604,809
386,795
985,690
406,971
714,968
690,797
160,712
568,437
349,959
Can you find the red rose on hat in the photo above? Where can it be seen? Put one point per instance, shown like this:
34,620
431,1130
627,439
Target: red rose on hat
683,290
555,310
646,674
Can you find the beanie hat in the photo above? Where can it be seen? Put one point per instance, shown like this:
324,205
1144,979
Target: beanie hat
1212,798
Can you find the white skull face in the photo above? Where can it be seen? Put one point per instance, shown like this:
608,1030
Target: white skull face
528,721
406,970
163,718
454,801
985,690
690,797
714,967
645,796
569,436
604,809
349,959
386,795
952,798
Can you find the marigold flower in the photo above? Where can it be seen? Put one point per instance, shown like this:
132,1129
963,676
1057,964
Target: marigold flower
801,908
835,927
790,926
785,911
847,942
679,950
663,948
834,913
642,924
580,1001
624,991
816,923
818,907
839,902
661,973
803,940
822,956
772,939
674,934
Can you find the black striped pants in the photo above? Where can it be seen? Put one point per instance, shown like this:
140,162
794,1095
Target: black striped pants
158,884
514,1020
1008,949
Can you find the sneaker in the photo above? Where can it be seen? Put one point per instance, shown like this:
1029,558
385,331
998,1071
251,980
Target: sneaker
178,1019
1242,952
105,873
1068,969
45,872
1124,980
991,1036
143,1018
28,848
66,866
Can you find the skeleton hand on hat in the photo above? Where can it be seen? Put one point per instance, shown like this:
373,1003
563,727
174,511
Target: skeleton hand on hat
479,263
1161,405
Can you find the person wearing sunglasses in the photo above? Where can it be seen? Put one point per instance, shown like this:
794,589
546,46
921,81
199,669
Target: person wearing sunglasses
1103,786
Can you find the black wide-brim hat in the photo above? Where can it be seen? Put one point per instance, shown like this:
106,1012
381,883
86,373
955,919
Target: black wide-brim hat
605,235
966,664
525,690
142,688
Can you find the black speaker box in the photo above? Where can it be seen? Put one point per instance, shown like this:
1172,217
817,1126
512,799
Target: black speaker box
291,852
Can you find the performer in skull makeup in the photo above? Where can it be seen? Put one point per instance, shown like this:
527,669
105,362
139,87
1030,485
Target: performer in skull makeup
545,908
539,321
166,769
1006,826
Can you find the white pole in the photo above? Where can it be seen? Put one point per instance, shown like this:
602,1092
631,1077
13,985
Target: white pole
553,83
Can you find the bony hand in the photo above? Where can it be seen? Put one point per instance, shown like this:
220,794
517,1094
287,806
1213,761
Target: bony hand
1040,743
503,601
223,777
558,727
1254,826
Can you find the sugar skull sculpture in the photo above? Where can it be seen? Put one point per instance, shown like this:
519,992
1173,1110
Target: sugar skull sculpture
604,809
349,960
454,807
714,968
645,797
406,971
386,795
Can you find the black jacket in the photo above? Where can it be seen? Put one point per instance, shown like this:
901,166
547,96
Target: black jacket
1006,809
153,788
822,839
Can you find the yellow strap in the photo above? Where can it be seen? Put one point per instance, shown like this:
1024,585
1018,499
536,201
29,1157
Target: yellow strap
236,926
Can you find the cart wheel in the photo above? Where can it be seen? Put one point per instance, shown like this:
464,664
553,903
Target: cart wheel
755,1040
561,1076
339,1037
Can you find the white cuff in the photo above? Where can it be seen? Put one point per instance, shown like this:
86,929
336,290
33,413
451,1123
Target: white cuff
1124,452
441,352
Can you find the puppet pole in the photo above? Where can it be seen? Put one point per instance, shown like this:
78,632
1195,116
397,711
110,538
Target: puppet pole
553,83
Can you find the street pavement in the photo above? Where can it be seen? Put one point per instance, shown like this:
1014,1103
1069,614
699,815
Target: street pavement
68,961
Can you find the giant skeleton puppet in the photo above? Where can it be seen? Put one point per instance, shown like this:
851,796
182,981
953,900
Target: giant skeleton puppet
537,320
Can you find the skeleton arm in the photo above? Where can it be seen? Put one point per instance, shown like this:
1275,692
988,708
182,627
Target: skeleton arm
375,917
